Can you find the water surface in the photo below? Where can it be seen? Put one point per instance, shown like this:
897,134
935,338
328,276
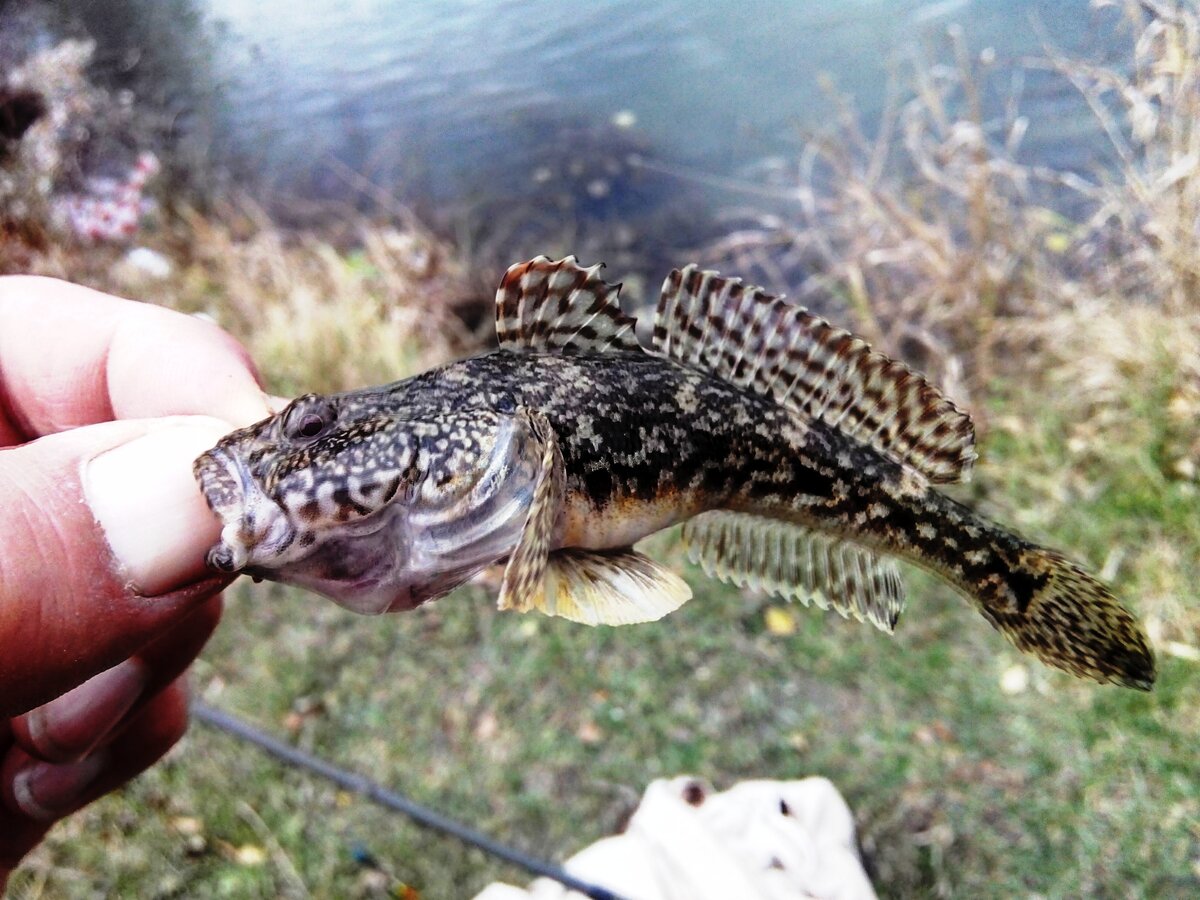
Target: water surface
449,95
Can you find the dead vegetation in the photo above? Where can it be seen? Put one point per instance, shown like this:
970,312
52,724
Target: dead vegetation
1061,307
317,318
949,250
1079,332
366,302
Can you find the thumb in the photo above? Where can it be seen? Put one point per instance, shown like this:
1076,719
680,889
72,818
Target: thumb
102,540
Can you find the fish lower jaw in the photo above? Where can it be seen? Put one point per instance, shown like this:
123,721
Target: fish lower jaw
366,595
378,588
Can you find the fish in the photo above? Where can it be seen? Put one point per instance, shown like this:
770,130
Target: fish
800,462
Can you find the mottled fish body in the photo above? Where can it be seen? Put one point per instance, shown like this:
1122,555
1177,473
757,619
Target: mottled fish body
800,461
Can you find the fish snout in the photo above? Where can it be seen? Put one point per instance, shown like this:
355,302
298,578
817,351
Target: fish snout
254,527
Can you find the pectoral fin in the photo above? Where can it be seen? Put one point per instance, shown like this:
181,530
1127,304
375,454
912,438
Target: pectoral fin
613,587
523,587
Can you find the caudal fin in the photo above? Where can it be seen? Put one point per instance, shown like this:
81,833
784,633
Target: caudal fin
1053,609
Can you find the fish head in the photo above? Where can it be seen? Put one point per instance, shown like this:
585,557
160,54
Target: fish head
375,510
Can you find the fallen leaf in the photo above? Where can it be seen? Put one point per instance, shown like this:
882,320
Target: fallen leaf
589,732
250,855
1014,680
187,825
486,727
779,621
798,741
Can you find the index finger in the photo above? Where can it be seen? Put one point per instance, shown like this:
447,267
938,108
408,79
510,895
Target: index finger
71,356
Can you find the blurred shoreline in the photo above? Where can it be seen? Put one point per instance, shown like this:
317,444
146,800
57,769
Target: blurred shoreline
1061,306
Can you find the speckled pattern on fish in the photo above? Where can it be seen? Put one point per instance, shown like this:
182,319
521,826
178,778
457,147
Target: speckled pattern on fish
801,462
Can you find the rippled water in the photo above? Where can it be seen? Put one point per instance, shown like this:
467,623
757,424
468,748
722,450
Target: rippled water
450,95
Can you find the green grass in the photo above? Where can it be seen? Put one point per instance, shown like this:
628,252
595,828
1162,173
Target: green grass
544,733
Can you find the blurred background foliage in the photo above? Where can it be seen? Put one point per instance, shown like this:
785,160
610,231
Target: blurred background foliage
1058,302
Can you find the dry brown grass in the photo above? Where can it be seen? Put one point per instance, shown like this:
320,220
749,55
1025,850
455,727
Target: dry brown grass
951,251
941,244
928,232
1065,304
314,317
1141,236
319,319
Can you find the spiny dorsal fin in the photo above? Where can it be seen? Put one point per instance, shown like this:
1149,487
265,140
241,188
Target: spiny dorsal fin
524,577
547,306
611,587
757,341
794,563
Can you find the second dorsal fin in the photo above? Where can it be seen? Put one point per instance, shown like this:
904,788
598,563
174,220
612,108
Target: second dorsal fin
758,342
560,306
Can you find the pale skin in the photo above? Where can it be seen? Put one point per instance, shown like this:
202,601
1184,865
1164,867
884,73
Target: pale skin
104,596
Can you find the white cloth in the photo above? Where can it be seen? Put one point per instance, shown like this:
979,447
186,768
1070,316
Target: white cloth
760,840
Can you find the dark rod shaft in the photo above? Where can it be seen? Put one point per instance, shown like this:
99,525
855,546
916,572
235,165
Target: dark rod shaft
422,815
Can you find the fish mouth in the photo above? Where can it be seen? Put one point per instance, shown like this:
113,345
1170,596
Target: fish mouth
367,568
254,527
356,567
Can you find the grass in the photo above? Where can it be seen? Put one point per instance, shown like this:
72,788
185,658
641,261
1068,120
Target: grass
972,770
963,781
543,732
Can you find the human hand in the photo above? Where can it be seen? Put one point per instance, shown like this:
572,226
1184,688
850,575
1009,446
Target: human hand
104,596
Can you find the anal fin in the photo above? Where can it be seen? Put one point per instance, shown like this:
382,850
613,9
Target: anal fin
613,587
793,562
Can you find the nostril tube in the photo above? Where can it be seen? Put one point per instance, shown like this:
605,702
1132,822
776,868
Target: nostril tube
221,558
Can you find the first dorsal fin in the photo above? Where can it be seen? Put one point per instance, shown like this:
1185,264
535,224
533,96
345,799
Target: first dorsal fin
560,306
757,341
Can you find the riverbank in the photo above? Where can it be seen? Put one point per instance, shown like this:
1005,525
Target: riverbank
972,771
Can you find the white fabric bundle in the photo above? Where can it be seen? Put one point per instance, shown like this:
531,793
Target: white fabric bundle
774,840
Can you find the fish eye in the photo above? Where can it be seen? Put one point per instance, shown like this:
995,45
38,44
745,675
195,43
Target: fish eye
309,419
310,426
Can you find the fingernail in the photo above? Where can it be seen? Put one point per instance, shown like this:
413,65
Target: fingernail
244,408
71,726
146,500
277,404
48,791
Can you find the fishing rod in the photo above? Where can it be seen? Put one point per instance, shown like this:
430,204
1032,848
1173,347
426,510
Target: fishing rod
377,793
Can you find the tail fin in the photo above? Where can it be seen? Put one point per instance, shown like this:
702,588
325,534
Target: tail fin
1053,609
